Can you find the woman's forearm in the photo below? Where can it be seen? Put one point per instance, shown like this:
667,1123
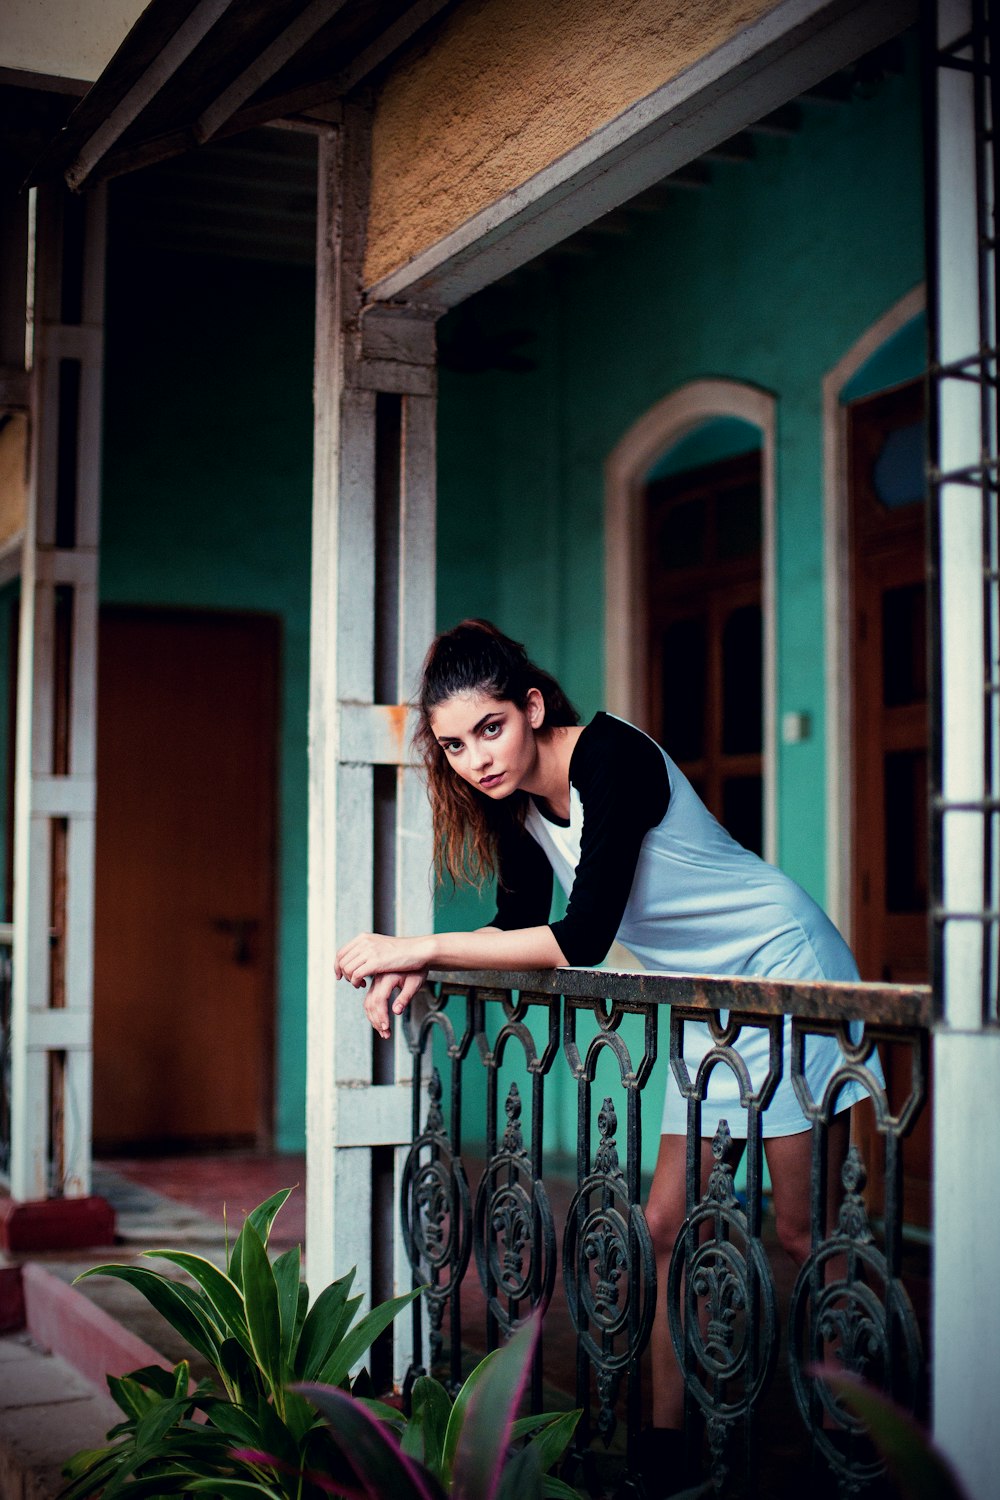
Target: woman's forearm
488,948
492,948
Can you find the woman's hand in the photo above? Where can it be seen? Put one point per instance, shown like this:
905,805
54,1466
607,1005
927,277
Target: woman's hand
374,953
380,992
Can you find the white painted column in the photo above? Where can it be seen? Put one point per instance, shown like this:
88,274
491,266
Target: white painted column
966,1291
372,619
55,780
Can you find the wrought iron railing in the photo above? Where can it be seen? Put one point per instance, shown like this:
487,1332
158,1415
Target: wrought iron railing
569,1028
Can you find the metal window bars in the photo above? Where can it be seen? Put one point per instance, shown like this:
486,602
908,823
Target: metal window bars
595,1035
961,107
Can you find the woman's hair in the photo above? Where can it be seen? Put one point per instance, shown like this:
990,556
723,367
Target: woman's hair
475,657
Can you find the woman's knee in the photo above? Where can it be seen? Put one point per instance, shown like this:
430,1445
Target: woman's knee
664,1221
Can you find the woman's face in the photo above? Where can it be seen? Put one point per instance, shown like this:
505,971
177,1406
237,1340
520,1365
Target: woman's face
489,742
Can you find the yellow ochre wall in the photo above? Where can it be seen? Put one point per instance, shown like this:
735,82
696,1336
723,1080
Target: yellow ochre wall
504,88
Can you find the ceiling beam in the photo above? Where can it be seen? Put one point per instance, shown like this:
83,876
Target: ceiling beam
177,50
271,60
308,96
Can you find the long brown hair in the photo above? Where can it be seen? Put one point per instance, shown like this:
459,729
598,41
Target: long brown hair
475,657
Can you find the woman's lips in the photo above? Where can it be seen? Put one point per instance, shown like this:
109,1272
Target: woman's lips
491,781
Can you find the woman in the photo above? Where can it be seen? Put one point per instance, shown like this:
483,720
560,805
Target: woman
520,789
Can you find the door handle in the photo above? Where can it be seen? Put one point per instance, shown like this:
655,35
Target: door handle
240,929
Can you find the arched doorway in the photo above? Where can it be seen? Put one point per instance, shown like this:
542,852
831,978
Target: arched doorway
689,615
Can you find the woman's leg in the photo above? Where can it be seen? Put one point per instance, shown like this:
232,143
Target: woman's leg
665,1213
789,1160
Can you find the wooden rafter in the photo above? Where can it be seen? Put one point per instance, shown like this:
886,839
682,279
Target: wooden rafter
164,65
284,47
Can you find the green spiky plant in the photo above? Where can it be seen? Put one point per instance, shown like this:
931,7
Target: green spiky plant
253,1324
282,1417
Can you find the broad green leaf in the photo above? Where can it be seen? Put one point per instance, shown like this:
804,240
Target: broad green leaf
532,1423
88,1472
558,1489
383,1411
181,1307
238,1371
129,1395
260,1297
553,1440
263,1216
423,1436
300,1315
320,1329
238,1488
360,1339
259,1221
369,1448
457,1418
920,1470
299,1415
489,1414
522,1477
224,1297
273,1434
287,1273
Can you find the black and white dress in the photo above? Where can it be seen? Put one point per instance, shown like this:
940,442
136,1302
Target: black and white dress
641,859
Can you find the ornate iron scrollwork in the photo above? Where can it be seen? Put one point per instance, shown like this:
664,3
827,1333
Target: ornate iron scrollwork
436,1214
848,1310
609,1271
719,1285
515,1239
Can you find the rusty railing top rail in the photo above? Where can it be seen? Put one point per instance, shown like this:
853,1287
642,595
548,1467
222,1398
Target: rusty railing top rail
821,1000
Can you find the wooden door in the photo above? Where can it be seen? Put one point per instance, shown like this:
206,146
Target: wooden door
705,635
891,854
184,964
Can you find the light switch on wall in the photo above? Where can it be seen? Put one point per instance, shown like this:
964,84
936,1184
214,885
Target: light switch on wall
795,727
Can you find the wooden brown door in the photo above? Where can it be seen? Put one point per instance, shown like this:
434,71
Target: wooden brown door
891,869
705,635
184,961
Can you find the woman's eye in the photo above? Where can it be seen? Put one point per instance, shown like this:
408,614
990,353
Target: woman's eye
492,730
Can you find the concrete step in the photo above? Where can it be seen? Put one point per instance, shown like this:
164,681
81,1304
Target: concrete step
48,1412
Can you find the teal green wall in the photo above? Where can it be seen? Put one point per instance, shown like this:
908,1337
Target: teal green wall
768,276
206,504
710,442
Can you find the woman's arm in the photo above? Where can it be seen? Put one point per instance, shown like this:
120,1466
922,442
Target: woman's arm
486,948
394,963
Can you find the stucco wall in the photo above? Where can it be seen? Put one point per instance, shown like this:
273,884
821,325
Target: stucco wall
507,86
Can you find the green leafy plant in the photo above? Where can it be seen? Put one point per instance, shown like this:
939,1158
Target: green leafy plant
253,1324
282,1417
446,1450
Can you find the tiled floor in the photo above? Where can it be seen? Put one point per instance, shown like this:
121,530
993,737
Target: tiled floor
224,1187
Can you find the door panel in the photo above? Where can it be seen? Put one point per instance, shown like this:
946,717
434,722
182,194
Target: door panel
891,854
184,964
705,635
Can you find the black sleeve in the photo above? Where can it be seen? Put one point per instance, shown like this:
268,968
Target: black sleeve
524,884
623,784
